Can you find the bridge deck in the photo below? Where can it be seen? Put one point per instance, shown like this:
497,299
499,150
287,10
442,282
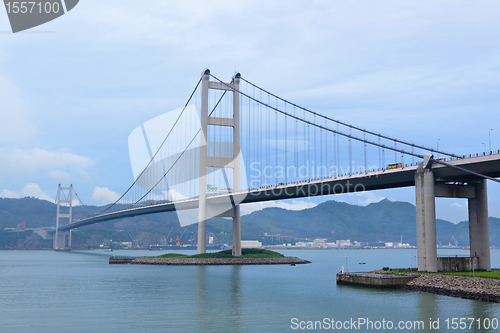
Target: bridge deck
488,165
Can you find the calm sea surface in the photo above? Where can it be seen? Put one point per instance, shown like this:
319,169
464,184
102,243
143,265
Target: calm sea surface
46,291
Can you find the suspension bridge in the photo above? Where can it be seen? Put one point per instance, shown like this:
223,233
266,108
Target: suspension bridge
235,143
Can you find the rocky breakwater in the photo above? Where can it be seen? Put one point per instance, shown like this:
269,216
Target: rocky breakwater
218,261
465,287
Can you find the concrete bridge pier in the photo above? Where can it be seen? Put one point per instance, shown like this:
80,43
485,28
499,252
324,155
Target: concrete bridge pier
426,220
62,240
202,214
426,190
479,232
236,231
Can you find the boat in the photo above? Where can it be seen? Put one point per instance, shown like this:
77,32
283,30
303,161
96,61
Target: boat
60,249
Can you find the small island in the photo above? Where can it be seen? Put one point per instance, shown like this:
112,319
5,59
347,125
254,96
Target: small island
248,257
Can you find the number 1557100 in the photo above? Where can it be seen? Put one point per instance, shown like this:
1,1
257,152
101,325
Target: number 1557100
32,7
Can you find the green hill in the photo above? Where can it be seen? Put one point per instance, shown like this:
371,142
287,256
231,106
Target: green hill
384,221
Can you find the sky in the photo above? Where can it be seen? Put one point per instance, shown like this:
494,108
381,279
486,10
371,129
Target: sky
73,89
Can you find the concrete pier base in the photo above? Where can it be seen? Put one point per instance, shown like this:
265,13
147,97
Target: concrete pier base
62,240
426,220
236,231
374,280
426,191
479,233
457,264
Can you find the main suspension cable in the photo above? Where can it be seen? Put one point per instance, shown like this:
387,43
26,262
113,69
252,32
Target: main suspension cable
159,148
355,127
180,155
320,126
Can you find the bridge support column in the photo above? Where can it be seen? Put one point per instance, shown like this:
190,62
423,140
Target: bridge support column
202,212
218,160
62,239
236,231
236,170
479,233
426,220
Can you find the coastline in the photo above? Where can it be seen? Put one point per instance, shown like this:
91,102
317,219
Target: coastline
487,290
208,261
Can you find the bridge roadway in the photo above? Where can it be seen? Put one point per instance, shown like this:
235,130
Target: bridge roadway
488,165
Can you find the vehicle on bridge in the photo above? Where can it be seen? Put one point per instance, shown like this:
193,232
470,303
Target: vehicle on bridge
394,166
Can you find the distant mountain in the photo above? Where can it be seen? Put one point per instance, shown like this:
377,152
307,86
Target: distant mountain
384,221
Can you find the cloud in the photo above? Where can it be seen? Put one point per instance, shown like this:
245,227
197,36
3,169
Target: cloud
28,160
9,194
104,195
171,195
174,195
368,198
296,205
293,205
457,205
255,206
30,190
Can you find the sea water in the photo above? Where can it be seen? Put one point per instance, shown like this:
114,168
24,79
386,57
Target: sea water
47,291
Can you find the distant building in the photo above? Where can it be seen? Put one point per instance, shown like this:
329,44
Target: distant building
375,244
320,242
343,243
251,244
304,244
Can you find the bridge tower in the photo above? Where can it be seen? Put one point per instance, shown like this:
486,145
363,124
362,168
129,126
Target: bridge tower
219,162
62,239
427,188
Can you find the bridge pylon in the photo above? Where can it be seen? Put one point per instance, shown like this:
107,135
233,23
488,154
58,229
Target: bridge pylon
427,189
62,239
221,162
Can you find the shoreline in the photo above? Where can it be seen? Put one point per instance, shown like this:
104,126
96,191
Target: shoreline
474,288
208,261
480,289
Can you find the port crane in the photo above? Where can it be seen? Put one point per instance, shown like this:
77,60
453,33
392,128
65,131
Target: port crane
179,238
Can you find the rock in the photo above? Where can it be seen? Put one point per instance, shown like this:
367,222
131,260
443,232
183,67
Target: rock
218,261
487,290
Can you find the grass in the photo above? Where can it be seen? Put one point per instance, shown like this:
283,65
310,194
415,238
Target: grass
245,253
388,270
480,274
493,274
